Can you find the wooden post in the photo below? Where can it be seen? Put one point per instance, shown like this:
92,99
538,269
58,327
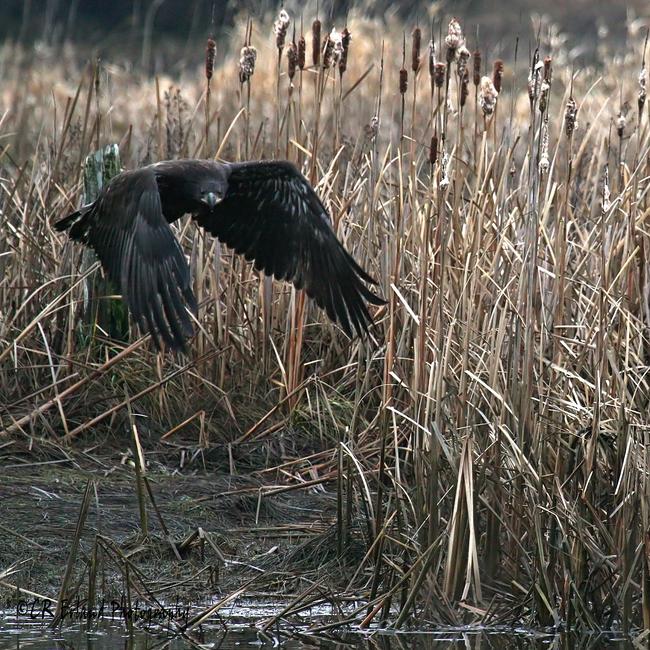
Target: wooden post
109,314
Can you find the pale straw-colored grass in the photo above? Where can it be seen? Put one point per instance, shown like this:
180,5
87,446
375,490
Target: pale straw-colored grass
493,432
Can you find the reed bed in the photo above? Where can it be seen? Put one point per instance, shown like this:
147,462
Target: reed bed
488,443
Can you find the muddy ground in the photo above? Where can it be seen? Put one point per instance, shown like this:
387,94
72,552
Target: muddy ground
215,532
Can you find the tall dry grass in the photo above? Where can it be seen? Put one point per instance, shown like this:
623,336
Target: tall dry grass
493,434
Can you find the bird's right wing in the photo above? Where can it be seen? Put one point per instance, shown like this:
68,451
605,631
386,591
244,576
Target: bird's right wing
271,215
141,255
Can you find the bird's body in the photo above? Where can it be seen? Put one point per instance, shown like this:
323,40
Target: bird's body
266,211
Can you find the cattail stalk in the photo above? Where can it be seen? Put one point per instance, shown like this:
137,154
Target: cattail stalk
292,66
454,41
416,46
294,367
97,80
621,125
210,55
545,87
395,265
476,80
302,51
431,56
345,39
643,93
463,56
403,85
247,58
439,82
296,321
280,27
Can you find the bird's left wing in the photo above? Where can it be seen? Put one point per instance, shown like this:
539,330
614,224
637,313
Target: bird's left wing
140,253
271,215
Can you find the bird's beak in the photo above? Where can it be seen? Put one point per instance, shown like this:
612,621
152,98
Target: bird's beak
211,199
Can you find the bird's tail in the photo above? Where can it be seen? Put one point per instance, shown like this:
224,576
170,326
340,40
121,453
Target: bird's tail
78,223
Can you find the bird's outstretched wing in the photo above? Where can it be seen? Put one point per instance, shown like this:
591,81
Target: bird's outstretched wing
271,215
140,253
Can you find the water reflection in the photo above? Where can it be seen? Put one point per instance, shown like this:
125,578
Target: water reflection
496,641
111,637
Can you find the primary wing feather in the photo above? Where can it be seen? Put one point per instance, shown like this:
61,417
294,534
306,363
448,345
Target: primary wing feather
138,249
272,216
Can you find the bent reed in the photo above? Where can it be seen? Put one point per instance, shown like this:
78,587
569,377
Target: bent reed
489,444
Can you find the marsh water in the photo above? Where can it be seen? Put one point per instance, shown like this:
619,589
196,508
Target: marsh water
110,635
113,637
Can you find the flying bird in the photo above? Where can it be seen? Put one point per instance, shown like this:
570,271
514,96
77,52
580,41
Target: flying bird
265,210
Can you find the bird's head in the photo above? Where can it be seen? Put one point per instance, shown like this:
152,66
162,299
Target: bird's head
211,196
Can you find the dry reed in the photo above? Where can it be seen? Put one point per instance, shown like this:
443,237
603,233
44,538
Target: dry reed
492,434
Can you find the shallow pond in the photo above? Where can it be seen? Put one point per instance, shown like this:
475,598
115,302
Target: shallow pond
111,635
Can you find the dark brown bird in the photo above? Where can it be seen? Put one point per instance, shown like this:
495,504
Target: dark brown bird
266,211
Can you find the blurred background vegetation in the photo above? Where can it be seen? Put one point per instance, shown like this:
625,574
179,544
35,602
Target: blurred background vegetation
133,29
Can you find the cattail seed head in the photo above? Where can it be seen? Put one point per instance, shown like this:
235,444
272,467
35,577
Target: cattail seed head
247,58
487,96
337,40
606,204
477,67
544,89
292,59
403,80
280,27
444,170
433,149
463,57
454,39
545,86
327,53
643,93
451,55
415,49
497,74
439,74
346,37
315,42
621,121
432,58
333,49
302,47
97,79
544,162
534,79
464,88
210,55
372,128
570,115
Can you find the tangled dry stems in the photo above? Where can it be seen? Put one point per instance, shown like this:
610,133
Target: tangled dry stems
495,434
